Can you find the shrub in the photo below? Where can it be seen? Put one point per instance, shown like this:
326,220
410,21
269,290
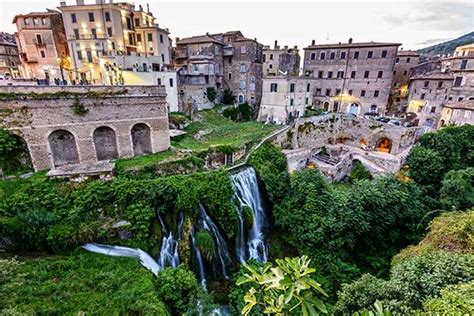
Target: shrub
211,93
228,97
205,243
360,172
452,300
457,189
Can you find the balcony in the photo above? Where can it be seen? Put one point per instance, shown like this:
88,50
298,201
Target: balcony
228,51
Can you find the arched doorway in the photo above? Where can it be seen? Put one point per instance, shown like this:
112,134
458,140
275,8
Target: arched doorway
63,148
241,99
384,144
105,143
373,108
354,109
141,139
326,106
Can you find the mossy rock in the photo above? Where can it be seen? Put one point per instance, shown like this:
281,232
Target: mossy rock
247,213
184,247
205,243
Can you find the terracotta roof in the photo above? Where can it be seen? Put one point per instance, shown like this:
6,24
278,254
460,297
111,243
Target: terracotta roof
199,39
34,14
434,76
351,45
464,104
407,53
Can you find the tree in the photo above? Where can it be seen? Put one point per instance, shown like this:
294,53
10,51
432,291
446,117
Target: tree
211,93
457,190
284,289
360,172
228,98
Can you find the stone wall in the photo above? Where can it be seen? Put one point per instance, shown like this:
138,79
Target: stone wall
61,130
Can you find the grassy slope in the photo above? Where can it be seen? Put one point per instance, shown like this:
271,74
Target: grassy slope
86,282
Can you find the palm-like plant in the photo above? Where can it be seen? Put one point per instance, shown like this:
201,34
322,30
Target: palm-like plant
283,290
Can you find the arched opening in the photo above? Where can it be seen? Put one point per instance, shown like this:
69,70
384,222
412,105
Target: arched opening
373,108
105,143
17,158
141,139
335,107
326,106
441,123
354,109
384,145
63,148
241,99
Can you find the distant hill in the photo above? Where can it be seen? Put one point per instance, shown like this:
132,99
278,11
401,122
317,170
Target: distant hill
448,46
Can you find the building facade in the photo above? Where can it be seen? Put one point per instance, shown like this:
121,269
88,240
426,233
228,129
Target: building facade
461,65
457,113
285,98
281,60
42,44
351,77
9,59
427,95
403,70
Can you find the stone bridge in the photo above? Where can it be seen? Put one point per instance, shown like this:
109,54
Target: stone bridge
72,125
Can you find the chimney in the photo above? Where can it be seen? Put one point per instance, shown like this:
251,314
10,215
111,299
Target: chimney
313,42
350,40
285,47
295,47
276,44
148,7
80,2
177,39
62,3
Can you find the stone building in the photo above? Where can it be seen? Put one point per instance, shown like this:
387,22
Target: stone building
9,59
285,98
461,65
351,77
434,64
281,60
427,95
107,38
223,61
92,124
458,113
42,44
403,69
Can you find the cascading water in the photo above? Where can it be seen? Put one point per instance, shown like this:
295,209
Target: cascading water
223,253
199,261
169,245
247,193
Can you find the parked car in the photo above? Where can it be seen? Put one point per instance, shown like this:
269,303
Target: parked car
351,115
394,122
408,124
383,119
371,115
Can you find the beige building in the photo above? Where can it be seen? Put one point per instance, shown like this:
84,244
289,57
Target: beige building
427,95
107,38
461,65
458,113
403,69
281,60
9,59
351,77
285,98
43,46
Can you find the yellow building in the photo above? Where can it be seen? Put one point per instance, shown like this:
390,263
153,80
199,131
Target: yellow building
457,113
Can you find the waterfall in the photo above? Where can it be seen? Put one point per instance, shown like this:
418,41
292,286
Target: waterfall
200,262
247,193
118,251
169,245
222,251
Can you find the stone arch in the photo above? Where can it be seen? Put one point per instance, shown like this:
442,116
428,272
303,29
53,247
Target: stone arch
105,143
19,159
384,144
354,108
141,139
63,148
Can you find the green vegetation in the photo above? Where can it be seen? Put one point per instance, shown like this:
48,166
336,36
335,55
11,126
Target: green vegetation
211,93
14,156
79,108
242,112
205,243
8,96
228,98
457,189
360,172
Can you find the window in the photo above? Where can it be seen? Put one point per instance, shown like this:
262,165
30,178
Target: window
376,93
426,84
109,32
79,55
35,21
271,56
27,21
408,60
171,82
107,16
313,56
91,17
264,57
242,49
242,68
343,55
350,92
433,109
333,55
39,39
320,74
73,18
318,92
139,37
457,81
43,54
366,74
76,33
292,87
422,96
440,84
380,74
397,60
94,33
292,101
353,74
306,101
252,86
338,91
137,22
308,87
405,73
273,87
463,64
384,54
322,56
370,54
328,92
150,37
340,74
329,74
270,66
460,98
161,38
159,81
456,113
467,114
129,24
394,72
43,21
362,93
230,76
163,58
89,56
356,55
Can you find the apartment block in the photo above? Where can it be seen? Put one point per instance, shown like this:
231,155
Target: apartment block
9,59
42,45
281,60
402,71
351,77
461,65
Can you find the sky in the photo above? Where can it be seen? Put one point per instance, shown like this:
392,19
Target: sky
415,23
